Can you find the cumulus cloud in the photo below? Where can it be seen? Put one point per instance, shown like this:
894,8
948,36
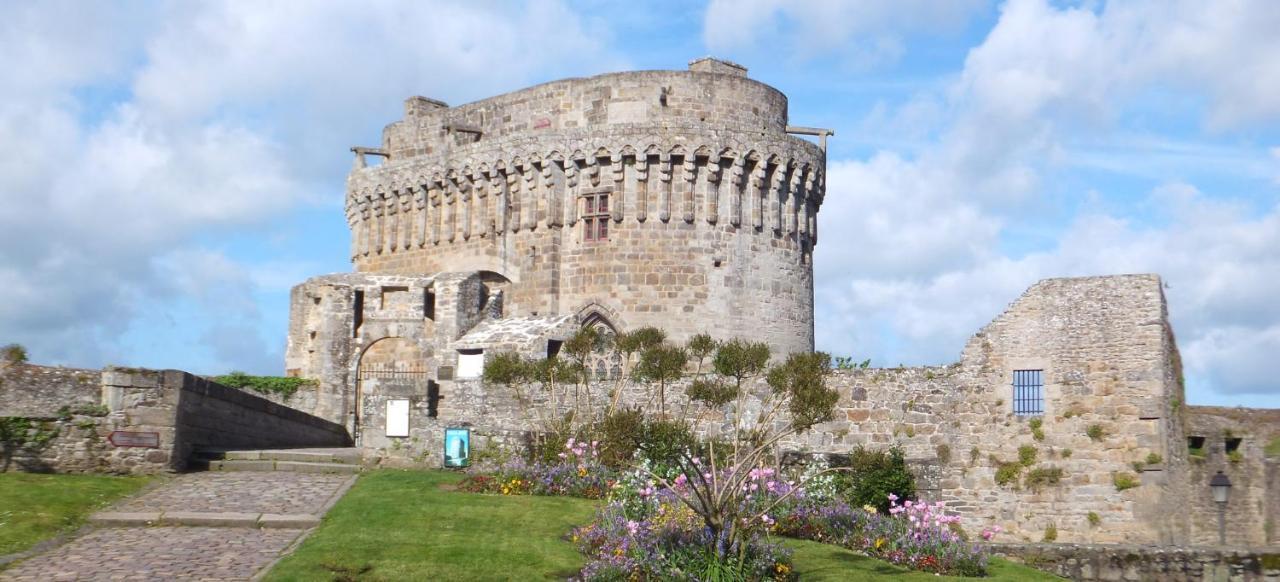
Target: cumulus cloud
862,34
134,140
916,252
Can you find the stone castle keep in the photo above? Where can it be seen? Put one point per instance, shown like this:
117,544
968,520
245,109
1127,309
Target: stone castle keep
684,200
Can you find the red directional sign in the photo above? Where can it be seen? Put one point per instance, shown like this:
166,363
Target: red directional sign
146,440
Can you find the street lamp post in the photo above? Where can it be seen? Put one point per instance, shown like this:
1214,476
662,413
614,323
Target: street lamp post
1221,487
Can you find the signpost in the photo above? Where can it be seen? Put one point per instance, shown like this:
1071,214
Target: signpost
457,447
144,440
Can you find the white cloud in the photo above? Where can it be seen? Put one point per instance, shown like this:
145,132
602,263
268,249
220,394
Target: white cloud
134,139
863,34
913,261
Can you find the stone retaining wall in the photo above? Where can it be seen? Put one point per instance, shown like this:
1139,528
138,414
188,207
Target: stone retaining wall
168,413
1122,562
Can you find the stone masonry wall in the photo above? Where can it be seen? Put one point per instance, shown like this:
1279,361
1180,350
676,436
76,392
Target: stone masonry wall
184,411
1115,562
1105,352
1253,511
31,390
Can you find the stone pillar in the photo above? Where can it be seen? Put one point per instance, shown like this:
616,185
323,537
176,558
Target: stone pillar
736,179
688,175
757,193
619,176
407,218
379,208
436,201
777,181
714,170
420,199
642,187
572,185
513,197
530,208
664,175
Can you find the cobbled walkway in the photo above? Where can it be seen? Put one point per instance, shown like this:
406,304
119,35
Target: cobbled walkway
187,552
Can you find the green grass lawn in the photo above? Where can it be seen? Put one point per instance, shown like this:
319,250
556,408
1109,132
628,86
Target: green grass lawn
828,563
402,525
37,507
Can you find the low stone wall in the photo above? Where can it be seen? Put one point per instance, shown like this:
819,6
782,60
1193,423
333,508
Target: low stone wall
210,415
28,390
1166,563
148,421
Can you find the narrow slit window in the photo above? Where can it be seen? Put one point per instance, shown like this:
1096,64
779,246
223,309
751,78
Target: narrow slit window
1028,392
595,217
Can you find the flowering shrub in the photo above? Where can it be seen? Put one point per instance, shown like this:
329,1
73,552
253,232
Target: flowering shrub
648,533
578,473
913,534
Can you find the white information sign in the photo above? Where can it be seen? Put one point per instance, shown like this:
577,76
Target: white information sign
470,365
397,418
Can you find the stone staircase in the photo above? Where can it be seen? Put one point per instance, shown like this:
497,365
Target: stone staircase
340,461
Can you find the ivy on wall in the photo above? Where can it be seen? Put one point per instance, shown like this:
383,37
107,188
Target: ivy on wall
285,387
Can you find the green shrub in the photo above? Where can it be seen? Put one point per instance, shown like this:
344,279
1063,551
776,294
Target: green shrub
1050,533
620,435
285,387
873,475
1273,448
1095,432
712,392
1027,455
13,354
1094,519
1124,481
1041,477
665,440
974,453
1154,459
1066,453
1235,456
944,453
1008,474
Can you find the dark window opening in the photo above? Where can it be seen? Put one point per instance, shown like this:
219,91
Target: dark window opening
553,348
429,303
1028,392
1232,444
595,217
359,313
1195,446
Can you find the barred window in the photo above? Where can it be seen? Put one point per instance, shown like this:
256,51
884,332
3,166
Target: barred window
1028,392
595,217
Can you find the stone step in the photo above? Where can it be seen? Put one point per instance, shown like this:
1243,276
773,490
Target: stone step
204,519
337,456
272,465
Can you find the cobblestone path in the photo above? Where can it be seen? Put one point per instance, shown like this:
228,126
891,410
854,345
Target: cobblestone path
187,552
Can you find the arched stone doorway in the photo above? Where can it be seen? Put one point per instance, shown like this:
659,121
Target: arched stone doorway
394,392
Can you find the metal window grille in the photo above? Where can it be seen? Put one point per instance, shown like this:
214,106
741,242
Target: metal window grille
1028,392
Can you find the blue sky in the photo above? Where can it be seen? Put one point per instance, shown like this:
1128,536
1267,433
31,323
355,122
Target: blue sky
173,168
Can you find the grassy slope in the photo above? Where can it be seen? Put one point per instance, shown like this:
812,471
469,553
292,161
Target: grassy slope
407,528
37,507
404,526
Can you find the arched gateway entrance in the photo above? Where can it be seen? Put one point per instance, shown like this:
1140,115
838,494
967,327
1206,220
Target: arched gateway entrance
394,392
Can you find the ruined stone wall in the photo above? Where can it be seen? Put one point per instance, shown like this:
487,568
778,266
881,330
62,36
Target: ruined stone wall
1103,346
1252,511
712,211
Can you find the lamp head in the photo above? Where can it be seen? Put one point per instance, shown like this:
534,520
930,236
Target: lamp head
1221,487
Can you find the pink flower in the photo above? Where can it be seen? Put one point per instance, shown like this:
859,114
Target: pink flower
893,497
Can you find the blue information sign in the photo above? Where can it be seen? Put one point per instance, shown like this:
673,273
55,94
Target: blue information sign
457,447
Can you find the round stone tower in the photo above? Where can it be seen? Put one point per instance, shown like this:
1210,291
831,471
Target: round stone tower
676,199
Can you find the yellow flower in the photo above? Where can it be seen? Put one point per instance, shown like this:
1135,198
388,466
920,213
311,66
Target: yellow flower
880,543
582,471
869,509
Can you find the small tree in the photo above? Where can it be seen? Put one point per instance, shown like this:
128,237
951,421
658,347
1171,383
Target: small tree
13,354
580,347
661,364
628,345
701,346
